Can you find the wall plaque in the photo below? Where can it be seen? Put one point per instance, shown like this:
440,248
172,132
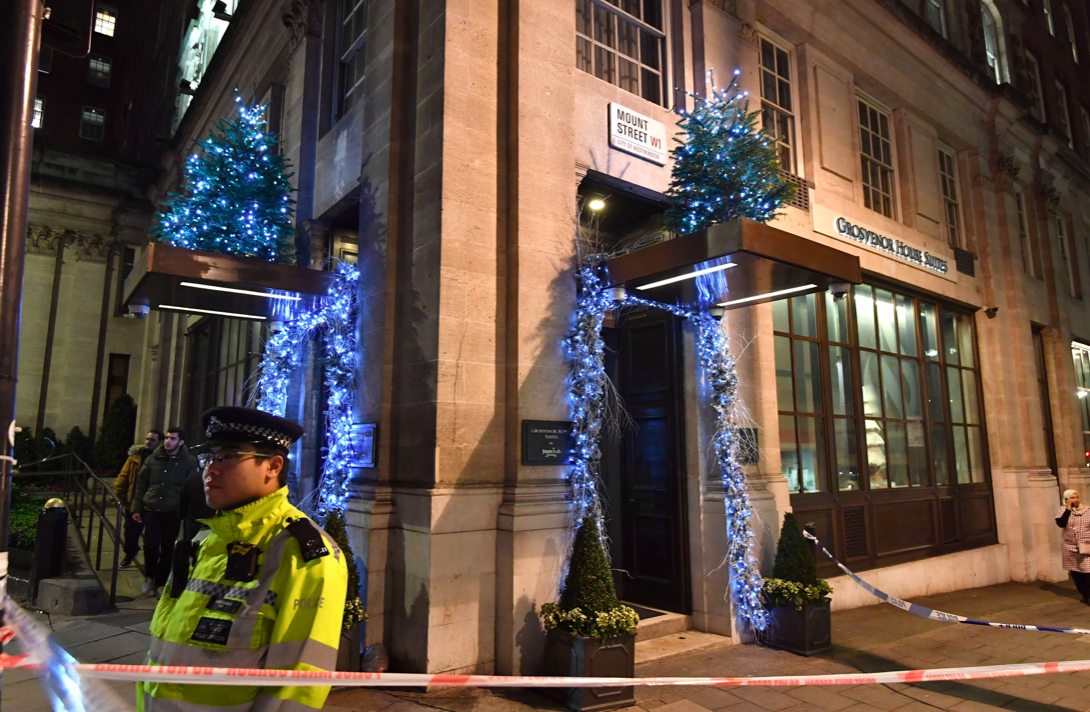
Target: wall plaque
546,442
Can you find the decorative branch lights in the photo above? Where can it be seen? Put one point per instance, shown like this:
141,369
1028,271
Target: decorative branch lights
335,321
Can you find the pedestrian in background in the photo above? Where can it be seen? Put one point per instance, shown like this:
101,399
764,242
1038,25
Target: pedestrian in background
125,489
1074,519
158,494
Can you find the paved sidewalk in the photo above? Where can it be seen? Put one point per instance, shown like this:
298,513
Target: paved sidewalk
871,639
868,639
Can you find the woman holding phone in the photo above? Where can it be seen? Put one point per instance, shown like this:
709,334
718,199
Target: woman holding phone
1074,519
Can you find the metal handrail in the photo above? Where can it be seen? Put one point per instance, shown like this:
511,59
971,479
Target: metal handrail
76,493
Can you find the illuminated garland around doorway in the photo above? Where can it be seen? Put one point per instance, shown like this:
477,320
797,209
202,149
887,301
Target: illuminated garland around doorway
335,320
589,385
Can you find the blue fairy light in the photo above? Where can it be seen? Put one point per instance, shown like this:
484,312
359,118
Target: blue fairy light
234,188
588,386
721,150
335,320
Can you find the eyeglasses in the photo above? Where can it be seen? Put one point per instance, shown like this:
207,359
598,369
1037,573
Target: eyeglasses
225,457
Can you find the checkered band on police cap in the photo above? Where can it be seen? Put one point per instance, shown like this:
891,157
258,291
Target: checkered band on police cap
215,425
239,424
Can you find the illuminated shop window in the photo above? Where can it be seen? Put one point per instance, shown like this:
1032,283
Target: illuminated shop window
899,404
1081,354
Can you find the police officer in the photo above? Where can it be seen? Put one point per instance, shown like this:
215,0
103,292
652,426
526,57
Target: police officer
266,586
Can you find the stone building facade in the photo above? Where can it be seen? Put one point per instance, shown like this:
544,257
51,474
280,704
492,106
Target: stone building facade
925,424
98,121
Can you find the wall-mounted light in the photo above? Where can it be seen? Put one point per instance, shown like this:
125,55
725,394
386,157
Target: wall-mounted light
688,275
232,290
779,293
194,310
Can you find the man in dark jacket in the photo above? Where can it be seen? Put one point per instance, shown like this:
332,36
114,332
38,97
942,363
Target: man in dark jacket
158,493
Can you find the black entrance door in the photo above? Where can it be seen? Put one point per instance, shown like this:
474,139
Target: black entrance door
644,468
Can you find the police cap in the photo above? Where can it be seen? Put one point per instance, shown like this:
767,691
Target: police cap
235,424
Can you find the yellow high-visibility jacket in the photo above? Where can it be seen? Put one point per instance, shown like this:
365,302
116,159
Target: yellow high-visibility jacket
287,618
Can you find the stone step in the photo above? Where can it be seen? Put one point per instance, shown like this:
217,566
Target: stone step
655,623
677,643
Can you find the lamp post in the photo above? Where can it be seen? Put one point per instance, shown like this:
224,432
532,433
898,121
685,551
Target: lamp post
20,36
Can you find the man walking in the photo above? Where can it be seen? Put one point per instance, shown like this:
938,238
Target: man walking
158,489
125,489
266,587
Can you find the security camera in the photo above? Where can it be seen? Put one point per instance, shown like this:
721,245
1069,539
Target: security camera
139,311
839,290
275,327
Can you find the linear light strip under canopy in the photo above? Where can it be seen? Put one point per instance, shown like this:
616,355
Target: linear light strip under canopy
194,310
232,290
779,293
689,275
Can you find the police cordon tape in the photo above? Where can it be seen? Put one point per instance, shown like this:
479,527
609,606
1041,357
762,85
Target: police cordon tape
297,678
42,657
931,613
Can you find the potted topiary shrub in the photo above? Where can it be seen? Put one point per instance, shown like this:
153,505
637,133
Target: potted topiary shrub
348,655
797,599
590,634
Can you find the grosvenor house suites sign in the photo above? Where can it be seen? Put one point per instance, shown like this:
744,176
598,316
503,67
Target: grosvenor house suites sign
637,134
829,222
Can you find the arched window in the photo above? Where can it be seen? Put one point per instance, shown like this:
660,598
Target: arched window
994,48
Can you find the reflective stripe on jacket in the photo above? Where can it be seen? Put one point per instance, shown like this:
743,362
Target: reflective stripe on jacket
288,618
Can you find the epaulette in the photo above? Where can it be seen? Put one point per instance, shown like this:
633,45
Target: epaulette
309,537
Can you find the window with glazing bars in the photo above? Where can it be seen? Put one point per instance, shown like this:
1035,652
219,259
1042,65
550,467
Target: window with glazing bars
1071,33
777,115
1085,130
39,112
621,42
1037,97
936,15
991,42
877,158
105,20
92,125
912,419
1081,354
98,71
1023,233
1063,114
353,40
1068,263
948,176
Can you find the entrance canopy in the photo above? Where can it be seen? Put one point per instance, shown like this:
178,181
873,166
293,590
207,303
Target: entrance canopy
191,281
731,265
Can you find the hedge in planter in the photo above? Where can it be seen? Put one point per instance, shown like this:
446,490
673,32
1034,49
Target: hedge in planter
797,599
348,656
590,634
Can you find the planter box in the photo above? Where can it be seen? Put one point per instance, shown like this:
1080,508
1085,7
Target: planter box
568,655
348,654
806,632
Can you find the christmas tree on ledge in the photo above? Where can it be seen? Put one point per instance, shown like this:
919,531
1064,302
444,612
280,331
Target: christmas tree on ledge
726,168
237,198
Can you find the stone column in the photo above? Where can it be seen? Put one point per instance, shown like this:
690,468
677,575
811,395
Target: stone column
318,239
302,109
